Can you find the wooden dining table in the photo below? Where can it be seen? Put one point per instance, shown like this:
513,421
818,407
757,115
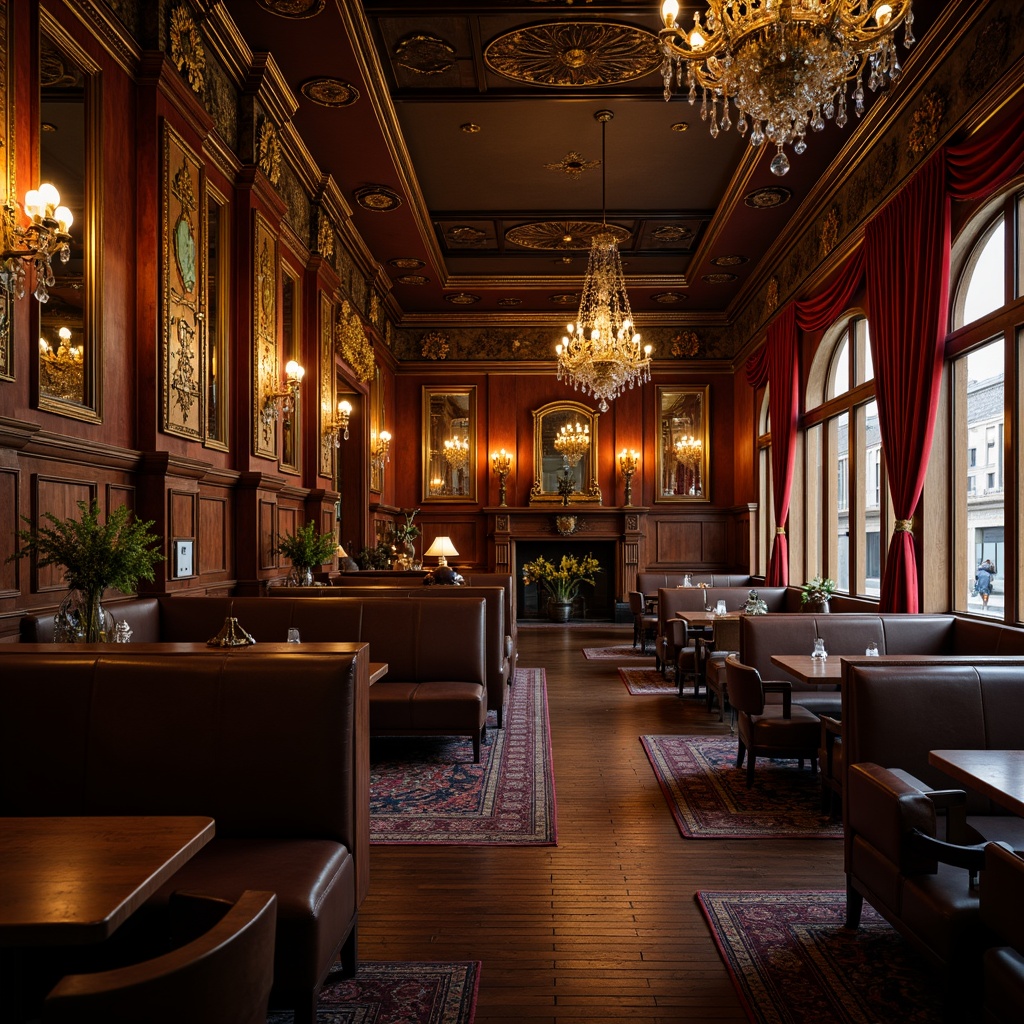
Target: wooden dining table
704,620
815,671
998,774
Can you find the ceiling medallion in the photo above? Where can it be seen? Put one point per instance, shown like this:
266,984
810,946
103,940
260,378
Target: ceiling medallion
465,237
329,92
565,299
669,297
562,234
718,278
377,198
671,233
729,261
510,302
425,54
573,165
766,198
293,8
405,263
680,126
574,53
412,279
462,299
469,128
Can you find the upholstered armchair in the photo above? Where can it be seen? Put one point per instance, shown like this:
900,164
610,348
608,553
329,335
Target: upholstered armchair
768,730
1001,899
675,648
711,655
645,623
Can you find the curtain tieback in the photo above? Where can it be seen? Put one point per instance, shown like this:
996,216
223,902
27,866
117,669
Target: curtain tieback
781,530
904,526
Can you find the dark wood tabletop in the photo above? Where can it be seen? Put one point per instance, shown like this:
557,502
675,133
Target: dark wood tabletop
810,670
75,880
999,774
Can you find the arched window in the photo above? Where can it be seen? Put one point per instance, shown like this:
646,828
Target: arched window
847,508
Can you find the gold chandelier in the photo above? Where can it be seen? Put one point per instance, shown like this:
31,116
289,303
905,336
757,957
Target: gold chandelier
601,354
784,64
688,451
456,452
573,444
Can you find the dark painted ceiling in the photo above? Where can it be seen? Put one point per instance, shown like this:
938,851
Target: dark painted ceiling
453,169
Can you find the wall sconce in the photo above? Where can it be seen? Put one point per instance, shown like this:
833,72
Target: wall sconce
380,449
440,548
336,428
47,236
501,463
629,461
288,397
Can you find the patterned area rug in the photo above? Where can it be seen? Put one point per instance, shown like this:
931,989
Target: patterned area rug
648,680
709,799
793,962
398,993
427,790
620,652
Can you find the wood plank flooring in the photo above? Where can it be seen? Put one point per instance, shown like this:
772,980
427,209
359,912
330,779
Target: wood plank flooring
602,927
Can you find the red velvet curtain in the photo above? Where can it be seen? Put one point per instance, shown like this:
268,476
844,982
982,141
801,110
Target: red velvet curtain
777,364
984,163
906,260
817,312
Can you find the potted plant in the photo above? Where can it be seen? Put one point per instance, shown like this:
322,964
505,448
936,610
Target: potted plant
562,582
306,549
95,556
405,534
816,593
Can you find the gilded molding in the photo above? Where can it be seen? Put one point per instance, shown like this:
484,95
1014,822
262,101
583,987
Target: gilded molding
925,124
828,236
351,343
425,54
324,235
685,345
187,50
434,345
563,234
269,151
771,298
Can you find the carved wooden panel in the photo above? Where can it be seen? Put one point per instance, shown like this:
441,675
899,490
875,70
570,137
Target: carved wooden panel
183,270
268,542
60,498
181,513
288,521
212,541
679,541
264,338
10,524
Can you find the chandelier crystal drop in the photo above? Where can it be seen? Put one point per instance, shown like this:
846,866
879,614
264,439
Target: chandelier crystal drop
601,354
783,64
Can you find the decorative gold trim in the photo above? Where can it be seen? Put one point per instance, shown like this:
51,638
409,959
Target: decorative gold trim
351,343
829,236
573,165
326,91
558,235
324,235
377,198
434,345
269,157
293,8
328,389
425,54
187,50
685,345
264,335
925,124
771,298
571,54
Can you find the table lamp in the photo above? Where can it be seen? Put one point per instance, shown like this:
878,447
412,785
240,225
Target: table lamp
444,574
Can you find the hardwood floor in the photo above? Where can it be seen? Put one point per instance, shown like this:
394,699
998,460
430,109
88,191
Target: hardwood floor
603,926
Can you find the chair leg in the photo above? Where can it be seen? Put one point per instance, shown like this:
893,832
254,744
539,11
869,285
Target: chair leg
750,768
740,751
854,905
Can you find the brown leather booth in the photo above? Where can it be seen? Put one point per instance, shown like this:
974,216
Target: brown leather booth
273,747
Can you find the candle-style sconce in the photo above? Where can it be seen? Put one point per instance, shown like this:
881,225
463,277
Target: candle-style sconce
501,463
629,461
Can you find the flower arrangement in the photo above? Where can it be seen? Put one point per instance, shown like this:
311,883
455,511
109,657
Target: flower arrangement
408,531
306,548
563,582
817,590
116,554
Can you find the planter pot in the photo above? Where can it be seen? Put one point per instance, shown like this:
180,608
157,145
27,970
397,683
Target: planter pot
299,576
82,619
559,611
816,607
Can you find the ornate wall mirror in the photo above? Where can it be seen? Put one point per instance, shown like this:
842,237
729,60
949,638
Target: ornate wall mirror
564,454
379,449
69,147
449,444
682,444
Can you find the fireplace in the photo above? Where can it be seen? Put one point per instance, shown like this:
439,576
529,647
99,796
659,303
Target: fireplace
596,602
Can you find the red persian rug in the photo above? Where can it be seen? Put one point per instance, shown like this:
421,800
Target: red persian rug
648,680
427,790
709,799
620,652
398,993
793,962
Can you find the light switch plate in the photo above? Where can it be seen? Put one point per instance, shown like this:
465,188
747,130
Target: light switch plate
182,558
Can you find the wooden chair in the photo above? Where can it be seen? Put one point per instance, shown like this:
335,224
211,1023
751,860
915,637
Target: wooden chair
768,730
725,640
1001,897
222,977
645,624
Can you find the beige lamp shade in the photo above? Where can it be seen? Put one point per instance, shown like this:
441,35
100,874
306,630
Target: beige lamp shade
441,547
341,552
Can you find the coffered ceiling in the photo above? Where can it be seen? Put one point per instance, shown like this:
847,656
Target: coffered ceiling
463,135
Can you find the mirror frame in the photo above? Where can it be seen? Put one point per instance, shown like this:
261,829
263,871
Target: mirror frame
8,180
589,492
376,425
88,222
681,397
432,456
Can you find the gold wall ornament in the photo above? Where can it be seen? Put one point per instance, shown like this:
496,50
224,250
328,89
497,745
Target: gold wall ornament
374,309
574,53
351,343
187,47
925,124
829,235
685,345
573,165
329,92
771,298
434,345
293,8
264,336
425,54
563,234
269,156
328,436
324,236
567,525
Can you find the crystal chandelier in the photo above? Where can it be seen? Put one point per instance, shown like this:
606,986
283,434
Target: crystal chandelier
688,451
783,63
573,444
601,355
456,452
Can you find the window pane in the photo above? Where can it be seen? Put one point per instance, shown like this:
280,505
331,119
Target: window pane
864,336
814,517
839,378
871,474
985,278
842,484
983,456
